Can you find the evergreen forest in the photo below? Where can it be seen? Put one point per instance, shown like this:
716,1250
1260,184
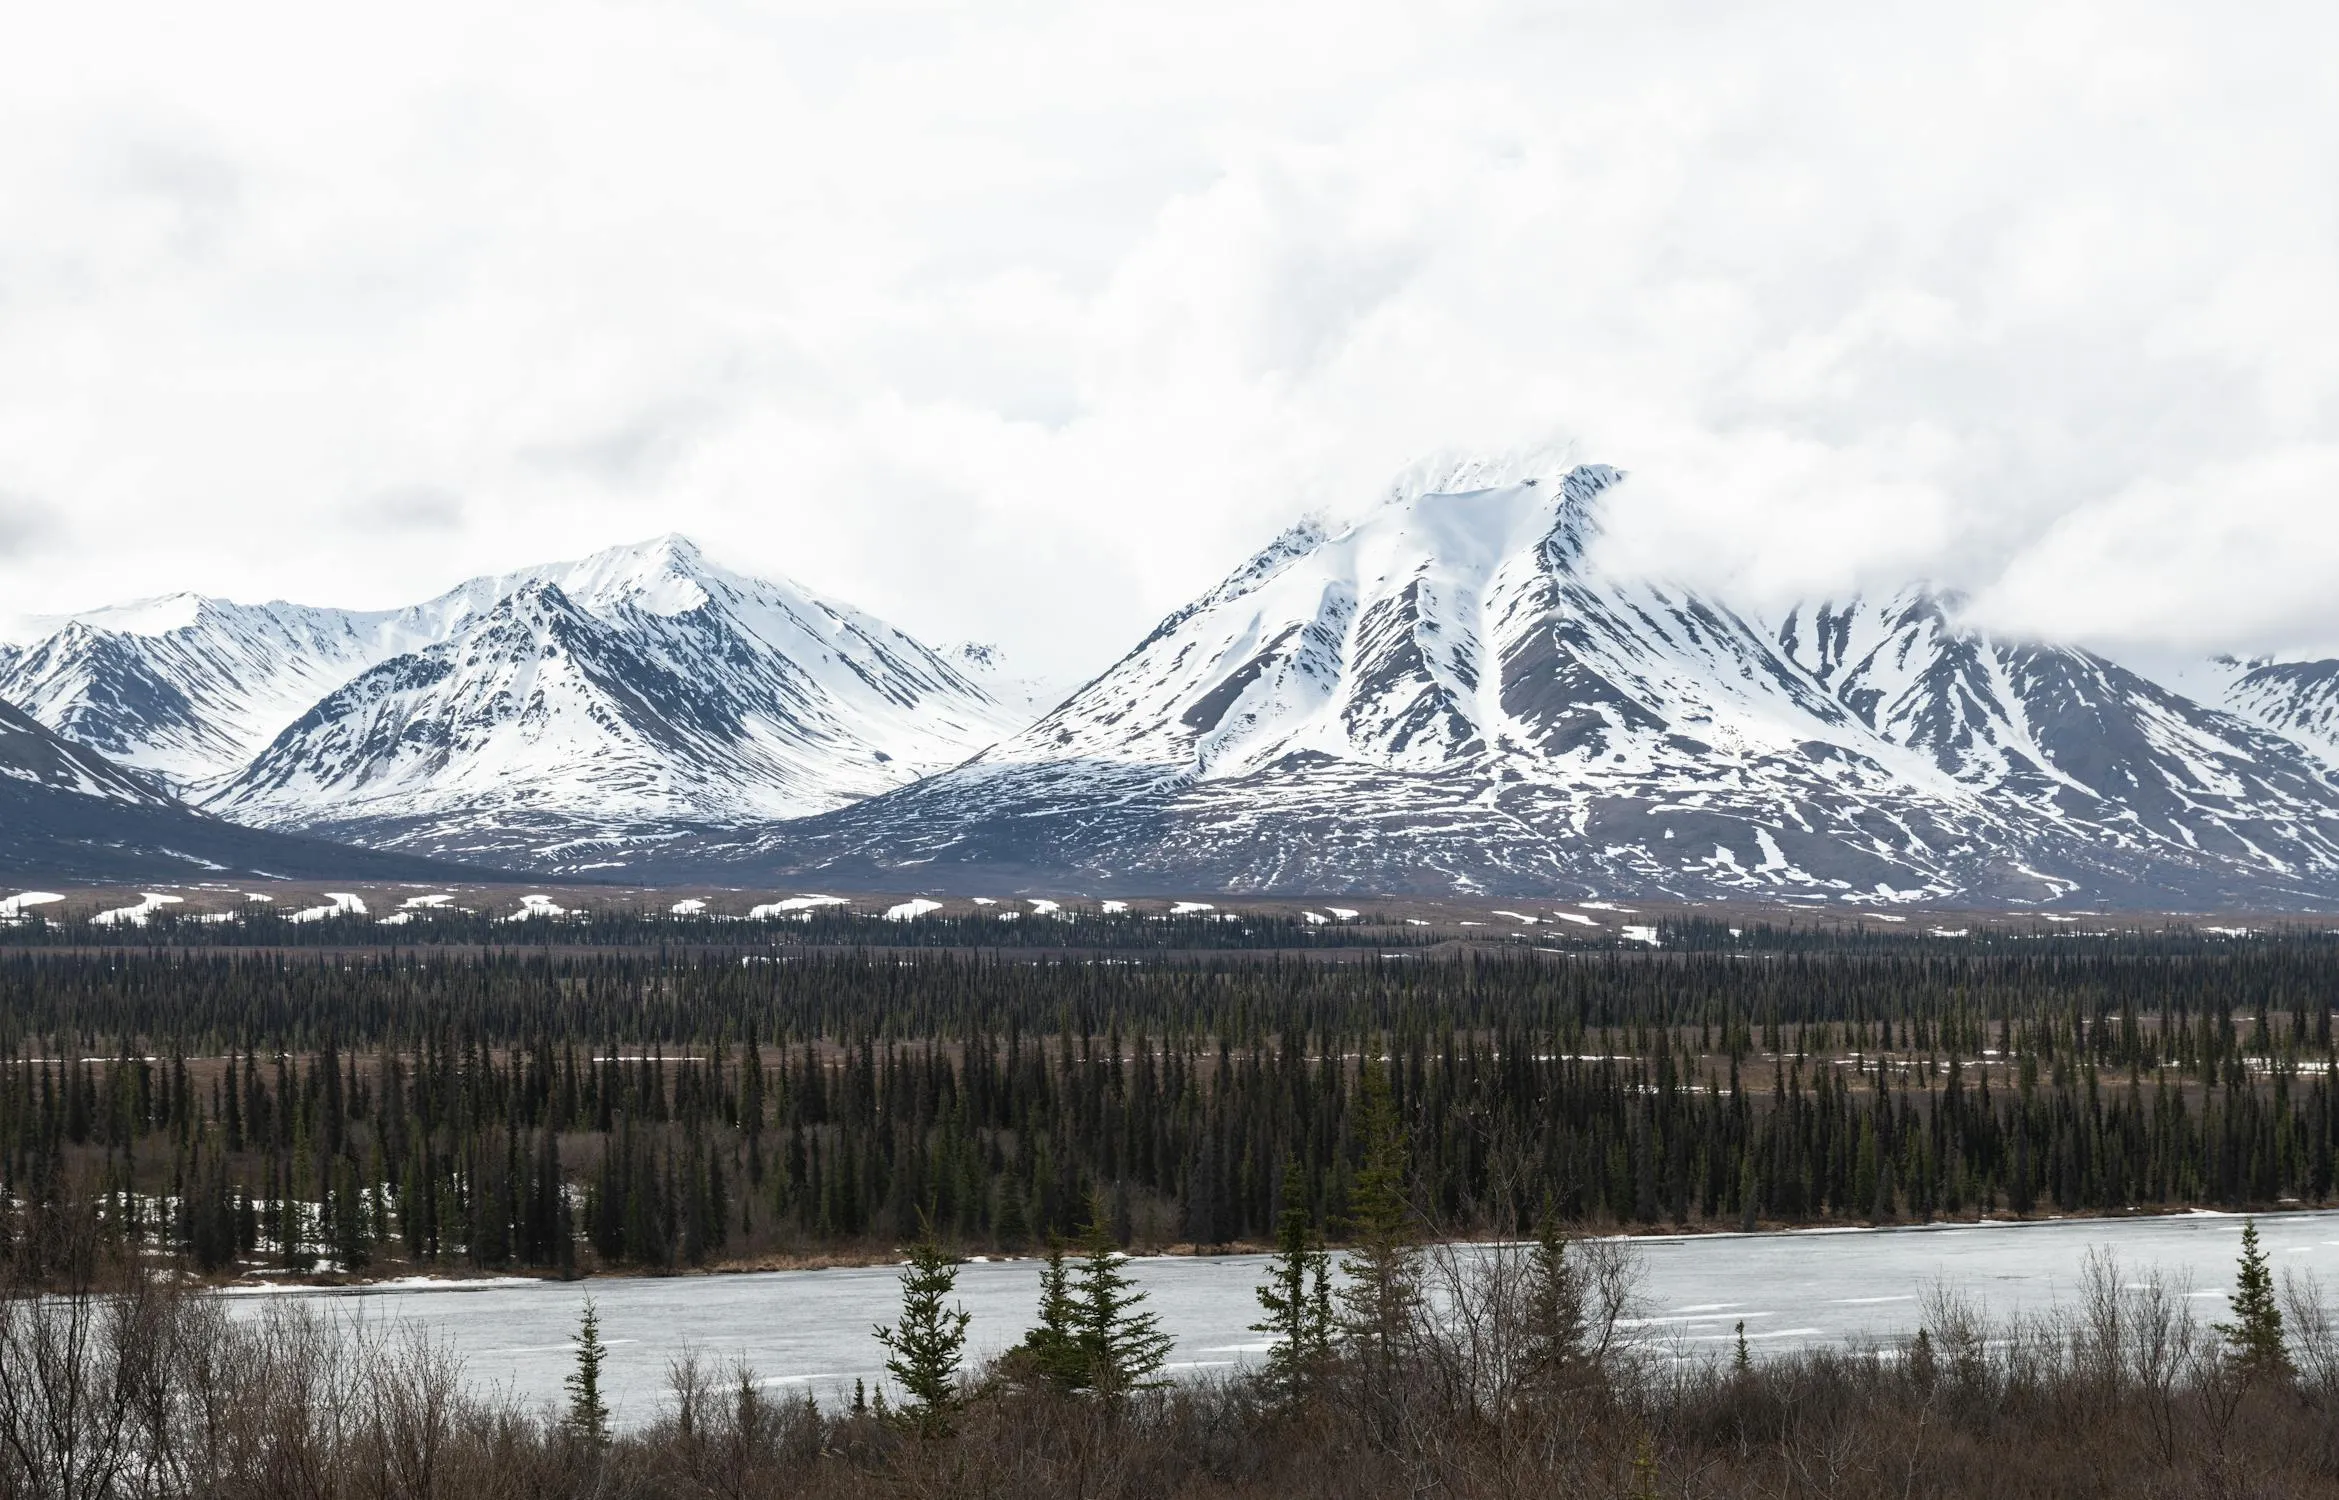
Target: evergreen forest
666,1106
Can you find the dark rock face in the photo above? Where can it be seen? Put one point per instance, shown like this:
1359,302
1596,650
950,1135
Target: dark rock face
67,814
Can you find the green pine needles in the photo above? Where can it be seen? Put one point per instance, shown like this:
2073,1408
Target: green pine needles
1050,1353
1298,1302
588,1414
1383,1294
2253,1339
923,1350
1126,1347
1093,1333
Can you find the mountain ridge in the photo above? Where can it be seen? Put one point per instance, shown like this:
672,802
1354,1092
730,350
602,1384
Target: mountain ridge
1453,693
1456,691
520,716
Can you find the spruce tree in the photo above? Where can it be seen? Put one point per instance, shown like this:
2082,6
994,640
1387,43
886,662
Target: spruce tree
1298,1301
1555,1308
588,1416
2254,1338
1125,1348
1383,1295
924,1348
1051,1351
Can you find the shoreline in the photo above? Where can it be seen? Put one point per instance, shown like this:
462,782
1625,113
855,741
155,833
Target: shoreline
402,1277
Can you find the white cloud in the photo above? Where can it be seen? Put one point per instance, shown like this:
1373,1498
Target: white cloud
1025,323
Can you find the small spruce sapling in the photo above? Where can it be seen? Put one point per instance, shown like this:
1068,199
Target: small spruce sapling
1555,1308
1383,1296
1052,1350
1126,1348
588,1415
923,1350
2254,1338
1298,1302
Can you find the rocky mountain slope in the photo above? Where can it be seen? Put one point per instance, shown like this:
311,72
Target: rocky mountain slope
187,689
556,716
67,814
1454,694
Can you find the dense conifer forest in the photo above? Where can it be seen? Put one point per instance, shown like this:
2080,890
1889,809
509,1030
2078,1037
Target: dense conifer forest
668,1105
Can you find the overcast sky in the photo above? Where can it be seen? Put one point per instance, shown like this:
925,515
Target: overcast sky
1024,323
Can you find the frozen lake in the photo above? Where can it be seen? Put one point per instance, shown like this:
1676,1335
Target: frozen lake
812,1329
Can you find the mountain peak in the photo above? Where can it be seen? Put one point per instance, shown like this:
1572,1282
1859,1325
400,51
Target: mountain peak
664,575
159,615
1547,465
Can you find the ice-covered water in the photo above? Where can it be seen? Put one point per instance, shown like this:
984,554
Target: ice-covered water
799,1329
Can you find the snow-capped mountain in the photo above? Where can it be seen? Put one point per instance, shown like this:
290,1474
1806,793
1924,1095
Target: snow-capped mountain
1456,693
2067,736
565,712
187,688
69,814
2296,699
545,716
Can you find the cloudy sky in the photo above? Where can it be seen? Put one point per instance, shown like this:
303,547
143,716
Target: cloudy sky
1025,322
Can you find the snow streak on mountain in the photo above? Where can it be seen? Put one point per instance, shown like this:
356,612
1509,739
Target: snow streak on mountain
2299,699
554,716
186,688
1453,694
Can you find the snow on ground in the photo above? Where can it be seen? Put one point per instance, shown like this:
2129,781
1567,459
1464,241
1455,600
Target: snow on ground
342,902
1188,908
690,908
395,919
148,904
1315,918
1519,917
1046,908
1343,913
909,909
1575,917
17,905
432,902
1113,908
1641,935
535,906
399,1284
791,904
986,900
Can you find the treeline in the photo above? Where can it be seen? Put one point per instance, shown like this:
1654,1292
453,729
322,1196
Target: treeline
1013,926
1008,926
660,1111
